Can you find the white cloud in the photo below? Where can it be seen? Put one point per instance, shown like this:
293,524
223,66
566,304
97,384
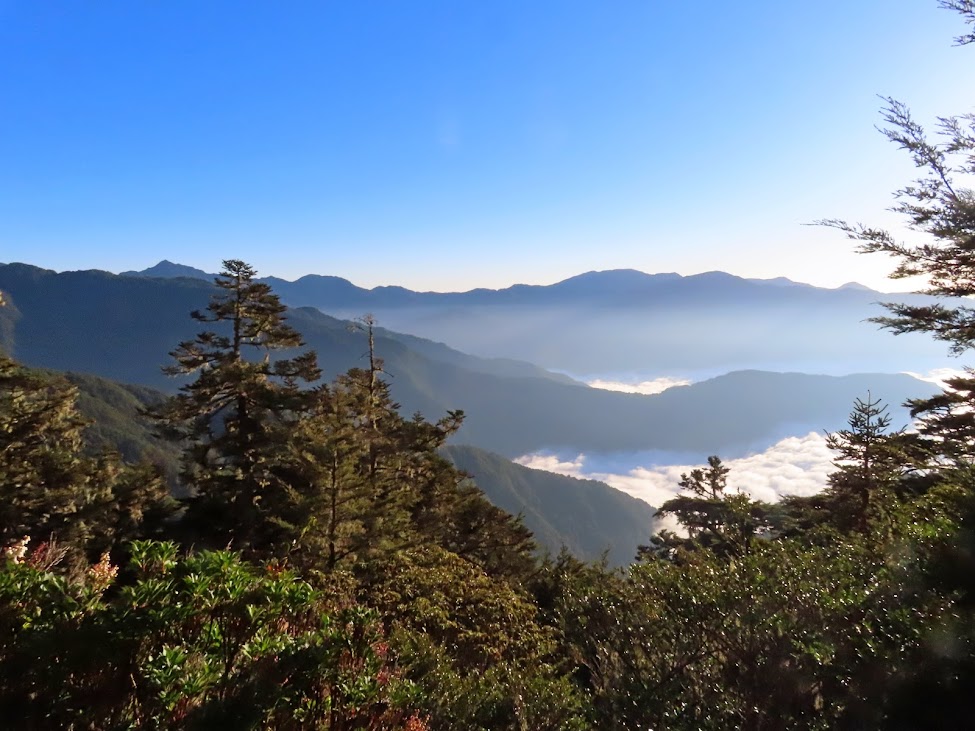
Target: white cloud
792,466
938,376
656,385
551,463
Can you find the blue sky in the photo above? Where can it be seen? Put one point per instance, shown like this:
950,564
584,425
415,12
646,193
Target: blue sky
447,145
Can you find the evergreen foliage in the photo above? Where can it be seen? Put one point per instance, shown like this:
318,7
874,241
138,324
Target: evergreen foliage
46,483
870,467
231,418
49,487
711,516
411,602
199,642
940,207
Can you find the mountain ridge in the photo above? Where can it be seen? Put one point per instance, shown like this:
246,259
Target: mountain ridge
631,278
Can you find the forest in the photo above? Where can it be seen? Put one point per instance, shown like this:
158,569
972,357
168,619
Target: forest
310,559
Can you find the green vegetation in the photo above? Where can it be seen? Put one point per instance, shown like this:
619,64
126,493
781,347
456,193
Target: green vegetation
52,488
329,569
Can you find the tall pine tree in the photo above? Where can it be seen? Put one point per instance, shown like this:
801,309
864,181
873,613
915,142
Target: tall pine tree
233,418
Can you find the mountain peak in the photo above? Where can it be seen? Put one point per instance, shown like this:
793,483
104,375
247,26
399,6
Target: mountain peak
170,270
780,282
856,286
608,275
616,278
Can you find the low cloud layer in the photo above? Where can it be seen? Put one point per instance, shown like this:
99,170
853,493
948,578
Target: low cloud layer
791,466
656,385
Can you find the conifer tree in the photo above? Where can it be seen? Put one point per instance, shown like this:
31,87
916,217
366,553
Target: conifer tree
365,482
870,463
44,480
940,208
332,472
40,437
233,417
49,488
712,516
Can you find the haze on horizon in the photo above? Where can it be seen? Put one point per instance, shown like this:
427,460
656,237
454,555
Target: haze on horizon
444,146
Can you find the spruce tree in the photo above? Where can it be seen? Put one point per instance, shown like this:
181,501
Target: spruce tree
233,417
871,462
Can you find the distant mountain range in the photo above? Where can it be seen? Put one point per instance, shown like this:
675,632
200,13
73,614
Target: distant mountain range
613,287
104,326
123,327
626,321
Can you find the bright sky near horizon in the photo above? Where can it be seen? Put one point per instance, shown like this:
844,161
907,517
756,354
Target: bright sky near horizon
446,145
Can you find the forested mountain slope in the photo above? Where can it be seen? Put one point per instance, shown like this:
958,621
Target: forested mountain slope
117,422
586,516
589,518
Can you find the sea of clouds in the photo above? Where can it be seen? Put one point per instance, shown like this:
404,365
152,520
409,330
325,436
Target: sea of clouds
796,465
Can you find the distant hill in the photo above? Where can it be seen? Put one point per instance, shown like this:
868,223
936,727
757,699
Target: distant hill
490,366
589,518
123,327
115,411
77,316
116,422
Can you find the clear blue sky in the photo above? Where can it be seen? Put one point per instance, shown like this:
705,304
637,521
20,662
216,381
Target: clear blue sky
446,145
